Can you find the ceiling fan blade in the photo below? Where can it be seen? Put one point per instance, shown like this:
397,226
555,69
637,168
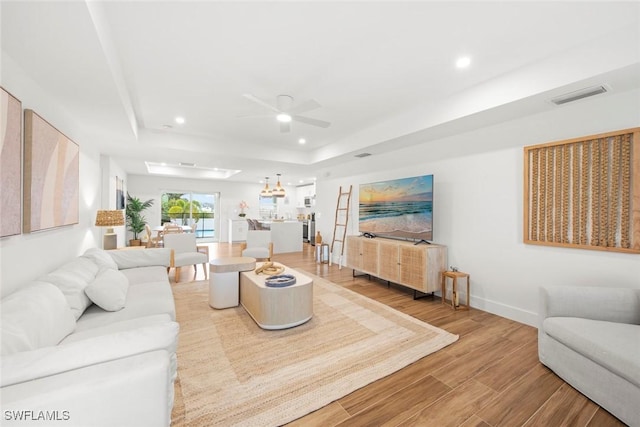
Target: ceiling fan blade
304,107
261,102
285,127
251,116
310,121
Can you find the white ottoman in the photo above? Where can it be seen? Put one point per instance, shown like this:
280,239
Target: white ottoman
224,280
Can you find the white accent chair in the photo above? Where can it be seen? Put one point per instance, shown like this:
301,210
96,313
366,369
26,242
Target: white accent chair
590,337
258,245
185,251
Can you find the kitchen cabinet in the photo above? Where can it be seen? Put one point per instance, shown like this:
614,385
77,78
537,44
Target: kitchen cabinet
238,230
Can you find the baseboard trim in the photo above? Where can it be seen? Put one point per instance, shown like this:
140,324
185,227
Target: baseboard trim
514,313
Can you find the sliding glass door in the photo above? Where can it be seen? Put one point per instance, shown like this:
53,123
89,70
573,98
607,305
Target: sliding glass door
197,210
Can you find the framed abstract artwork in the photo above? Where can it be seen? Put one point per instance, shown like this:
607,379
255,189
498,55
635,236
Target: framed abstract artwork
51,176
10,164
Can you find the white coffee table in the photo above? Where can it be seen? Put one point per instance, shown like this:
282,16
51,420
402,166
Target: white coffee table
277,308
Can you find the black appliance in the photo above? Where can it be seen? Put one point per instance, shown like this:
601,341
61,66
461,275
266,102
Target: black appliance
312,229
305,231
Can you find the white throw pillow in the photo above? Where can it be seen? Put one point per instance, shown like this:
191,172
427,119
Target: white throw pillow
101,258
108,290
71,278
34,316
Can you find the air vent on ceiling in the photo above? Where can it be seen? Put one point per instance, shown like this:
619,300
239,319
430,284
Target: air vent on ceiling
578,94
187,164
363,155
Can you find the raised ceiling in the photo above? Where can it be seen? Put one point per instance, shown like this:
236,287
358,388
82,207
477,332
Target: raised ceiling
383,72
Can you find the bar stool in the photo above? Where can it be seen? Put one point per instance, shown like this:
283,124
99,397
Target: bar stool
454,276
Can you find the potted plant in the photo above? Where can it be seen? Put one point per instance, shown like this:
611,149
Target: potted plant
135,220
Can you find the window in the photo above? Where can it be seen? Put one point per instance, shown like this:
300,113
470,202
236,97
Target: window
191,209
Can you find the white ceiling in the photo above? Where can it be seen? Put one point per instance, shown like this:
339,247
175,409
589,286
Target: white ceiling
384,72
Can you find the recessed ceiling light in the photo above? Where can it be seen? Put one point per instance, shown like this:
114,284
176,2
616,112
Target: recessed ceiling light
284,118
463,62
302,141
180,120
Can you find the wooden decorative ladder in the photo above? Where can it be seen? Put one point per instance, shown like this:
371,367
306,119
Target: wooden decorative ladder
340,223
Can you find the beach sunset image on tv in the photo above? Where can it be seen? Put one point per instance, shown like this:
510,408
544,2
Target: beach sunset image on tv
400,208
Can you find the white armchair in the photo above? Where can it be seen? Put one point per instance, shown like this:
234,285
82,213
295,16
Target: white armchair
258,245
185,251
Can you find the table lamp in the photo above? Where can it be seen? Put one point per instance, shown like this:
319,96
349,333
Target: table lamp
106,218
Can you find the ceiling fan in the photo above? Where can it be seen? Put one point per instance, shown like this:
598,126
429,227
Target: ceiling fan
285,112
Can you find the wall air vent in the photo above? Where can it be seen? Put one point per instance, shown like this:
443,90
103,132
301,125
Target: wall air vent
578,94
363,155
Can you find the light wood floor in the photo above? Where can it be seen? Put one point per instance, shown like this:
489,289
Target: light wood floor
490,377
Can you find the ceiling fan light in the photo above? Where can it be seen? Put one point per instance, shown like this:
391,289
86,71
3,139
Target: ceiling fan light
283,118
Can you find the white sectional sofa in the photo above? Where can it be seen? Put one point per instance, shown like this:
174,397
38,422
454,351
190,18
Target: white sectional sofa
590,337
92,343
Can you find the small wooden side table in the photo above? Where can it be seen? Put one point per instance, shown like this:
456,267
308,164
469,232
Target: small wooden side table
454,276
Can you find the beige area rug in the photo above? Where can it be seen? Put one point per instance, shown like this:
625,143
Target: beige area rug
231,372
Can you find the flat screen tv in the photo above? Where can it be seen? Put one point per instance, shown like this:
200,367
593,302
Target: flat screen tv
398,208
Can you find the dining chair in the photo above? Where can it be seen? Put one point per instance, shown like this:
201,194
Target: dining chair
172,228
152,242
184,252
258,245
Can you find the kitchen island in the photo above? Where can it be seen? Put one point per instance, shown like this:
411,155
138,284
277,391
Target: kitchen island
285,235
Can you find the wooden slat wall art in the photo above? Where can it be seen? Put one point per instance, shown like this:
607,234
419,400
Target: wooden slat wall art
584,192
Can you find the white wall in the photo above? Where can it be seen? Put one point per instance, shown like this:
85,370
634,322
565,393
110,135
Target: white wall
110,171
478,205
28,256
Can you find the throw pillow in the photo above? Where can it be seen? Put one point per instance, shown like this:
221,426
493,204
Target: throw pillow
34,316
71,278
108,290
101,258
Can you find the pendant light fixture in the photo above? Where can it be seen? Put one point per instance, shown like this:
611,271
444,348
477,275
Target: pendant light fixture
278,191
266,192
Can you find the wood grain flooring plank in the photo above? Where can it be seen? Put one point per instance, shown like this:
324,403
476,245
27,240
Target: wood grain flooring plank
455,407
383,388
505,371
566,407
602,418
396,408
523,334
330,415
471,364
517,403
475,421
